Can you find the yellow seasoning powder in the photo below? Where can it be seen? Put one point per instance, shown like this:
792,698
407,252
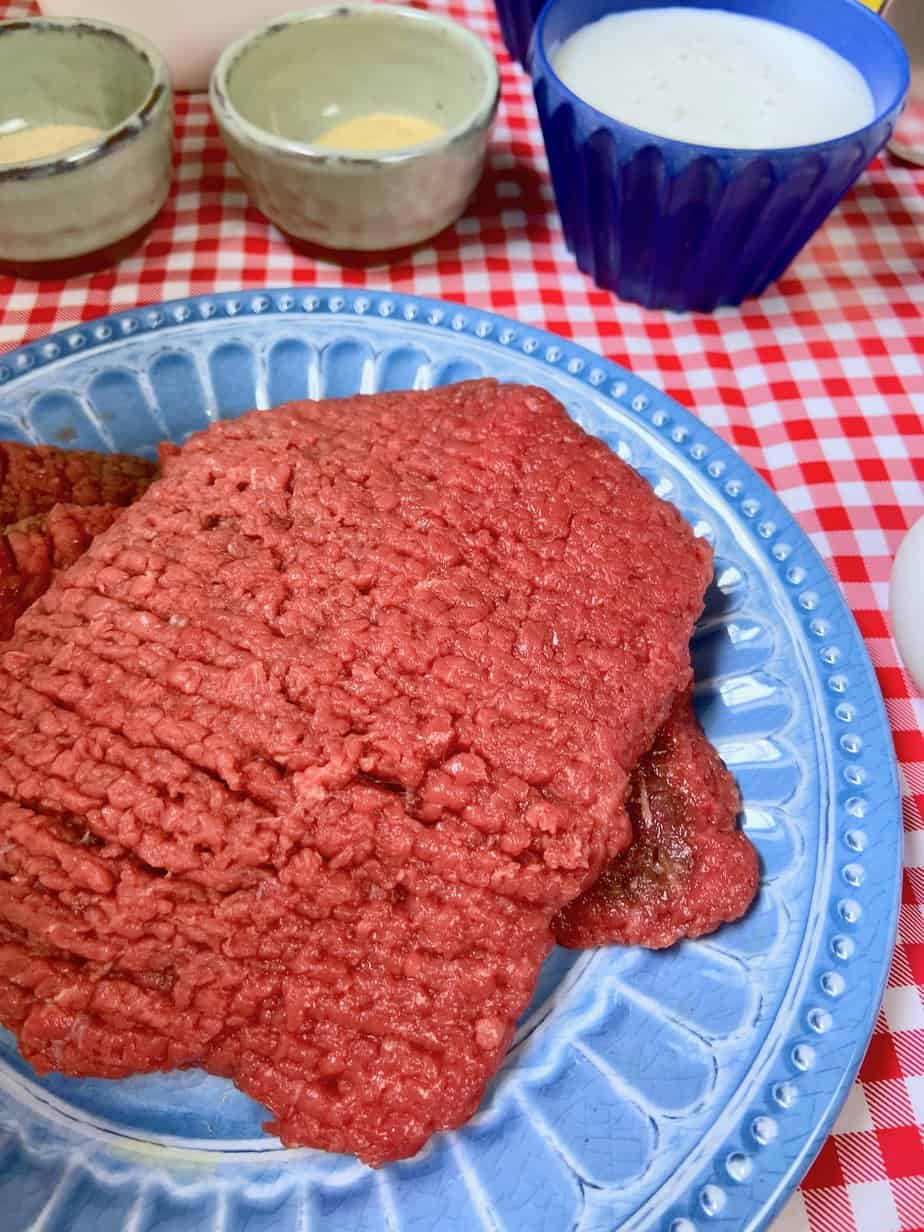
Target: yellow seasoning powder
44,141
380,130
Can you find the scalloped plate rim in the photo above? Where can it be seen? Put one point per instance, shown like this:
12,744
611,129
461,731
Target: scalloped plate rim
485,328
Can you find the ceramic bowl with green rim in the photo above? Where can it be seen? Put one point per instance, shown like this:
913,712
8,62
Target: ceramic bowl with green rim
278,92
85,205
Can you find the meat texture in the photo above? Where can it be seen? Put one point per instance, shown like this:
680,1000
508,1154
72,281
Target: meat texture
34,549
683,802
302,757
35,478
689,868
652,895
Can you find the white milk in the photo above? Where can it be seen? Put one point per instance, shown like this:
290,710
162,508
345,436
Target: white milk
715,78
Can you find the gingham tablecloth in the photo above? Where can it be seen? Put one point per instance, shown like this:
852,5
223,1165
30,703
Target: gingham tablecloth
819,385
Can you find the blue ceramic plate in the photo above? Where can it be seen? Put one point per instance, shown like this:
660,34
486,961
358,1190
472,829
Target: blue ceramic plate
680,1090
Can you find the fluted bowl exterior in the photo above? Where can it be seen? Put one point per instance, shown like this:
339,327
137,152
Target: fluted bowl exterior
669,224
516,19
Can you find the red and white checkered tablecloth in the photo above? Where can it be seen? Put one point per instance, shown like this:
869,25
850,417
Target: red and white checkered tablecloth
819,385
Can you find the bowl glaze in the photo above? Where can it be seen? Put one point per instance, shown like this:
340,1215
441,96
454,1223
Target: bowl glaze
84,207
275,91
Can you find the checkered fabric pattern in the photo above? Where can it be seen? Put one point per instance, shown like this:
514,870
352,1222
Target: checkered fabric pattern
819,385
909,131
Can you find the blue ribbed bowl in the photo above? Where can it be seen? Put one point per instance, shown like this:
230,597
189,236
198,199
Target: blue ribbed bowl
673,225
517,18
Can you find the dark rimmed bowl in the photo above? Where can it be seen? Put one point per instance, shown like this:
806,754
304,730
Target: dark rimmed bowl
83,208
274,92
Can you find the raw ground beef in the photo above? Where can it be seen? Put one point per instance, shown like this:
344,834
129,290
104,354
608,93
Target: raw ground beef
33,550
301,758
689,868
35,478
647,896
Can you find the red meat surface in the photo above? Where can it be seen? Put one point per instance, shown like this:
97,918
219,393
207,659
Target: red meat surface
35,478
299,761
689,868
34,550
652,895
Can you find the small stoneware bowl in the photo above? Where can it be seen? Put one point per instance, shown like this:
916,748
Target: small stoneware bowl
276,91
85,207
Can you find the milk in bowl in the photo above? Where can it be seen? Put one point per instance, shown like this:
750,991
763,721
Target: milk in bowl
696,146
716,78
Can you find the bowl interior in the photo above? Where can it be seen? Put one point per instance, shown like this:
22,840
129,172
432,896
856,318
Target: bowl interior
297,79
69,75
846,26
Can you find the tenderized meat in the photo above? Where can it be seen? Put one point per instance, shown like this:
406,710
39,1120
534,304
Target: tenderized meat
683,802
52,502
300,760
34,550
689,868
652,895
35,478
